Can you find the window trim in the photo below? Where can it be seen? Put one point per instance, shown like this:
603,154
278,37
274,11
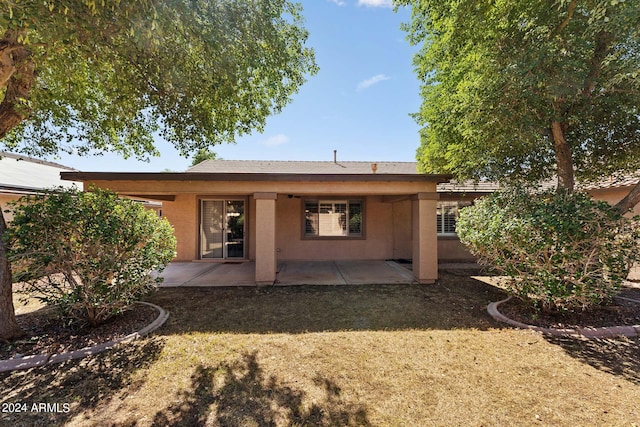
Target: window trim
319,200
458,204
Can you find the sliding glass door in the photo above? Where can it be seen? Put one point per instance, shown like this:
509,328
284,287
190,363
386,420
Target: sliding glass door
222,229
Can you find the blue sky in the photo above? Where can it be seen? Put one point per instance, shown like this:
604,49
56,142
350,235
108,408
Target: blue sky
358,103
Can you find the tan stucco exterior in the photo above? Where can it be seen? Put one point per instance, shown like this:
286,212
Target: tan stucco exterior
399,219
613,196
5,199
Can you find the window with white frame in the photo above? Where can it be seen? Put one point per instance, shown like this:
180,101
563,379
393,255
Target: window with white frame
447,217
333,218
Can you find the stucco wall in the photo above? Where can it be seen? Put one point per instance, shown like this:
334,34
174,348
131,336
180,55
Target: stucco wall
613,196
402,229
451,250
4,200
388,229
388,221
377,244
183,216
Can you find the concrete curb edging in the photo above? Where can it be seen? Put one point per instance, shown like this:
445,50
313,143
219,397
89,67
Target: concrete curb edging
32,361
589,333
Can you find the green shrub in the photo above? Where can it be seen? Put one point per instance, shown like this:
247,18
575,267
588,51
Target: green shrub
89,253
562,251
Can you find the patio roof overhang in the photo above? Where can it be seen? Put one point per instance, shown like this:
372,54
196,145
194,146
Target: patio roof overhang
165,186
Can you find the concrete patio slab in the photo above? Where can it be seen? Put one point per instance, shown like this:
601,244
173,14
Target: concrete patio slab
289,273
309,273
227,274
373,272
177,273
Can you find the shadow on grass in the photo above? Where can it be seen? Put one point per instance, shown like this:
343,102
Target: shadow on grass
82,383
619,357
238,394
453,303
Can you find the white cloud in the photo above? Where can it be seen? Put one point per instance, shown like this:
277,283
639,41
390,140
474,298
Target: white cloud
372,81
338,2
274,141
375,3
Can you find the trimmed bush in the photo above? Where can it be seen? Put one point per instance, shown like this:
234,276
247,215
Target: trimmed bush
562,251
89,253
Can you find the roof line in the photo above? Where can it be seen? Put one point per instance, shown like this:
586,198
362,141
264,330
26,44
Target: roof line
33,160
216,176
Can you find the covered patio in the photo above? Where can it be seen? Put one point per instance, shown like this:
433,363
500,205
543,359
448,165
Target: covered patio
342,272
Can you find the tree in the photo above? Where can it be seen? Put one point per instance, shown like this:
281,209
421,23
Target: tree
529,90
90,77
203,155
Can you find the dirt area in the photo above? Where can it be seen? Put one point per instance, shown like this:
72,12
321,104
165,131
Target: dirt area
46,333
618,313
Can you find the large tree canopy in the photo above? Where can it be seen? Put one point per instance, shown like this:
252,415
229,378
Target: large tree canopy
91,76
524,89
87,76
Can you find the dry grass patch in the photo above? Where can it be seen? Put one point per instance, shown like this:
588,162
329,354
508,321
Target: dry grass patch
335,356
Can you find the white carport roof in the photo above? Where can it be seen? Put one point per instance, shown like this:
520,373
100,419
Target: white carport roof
23,175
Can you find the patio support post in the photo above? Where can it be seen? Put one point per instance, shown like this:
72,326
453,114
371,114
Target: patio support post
266,260
425,237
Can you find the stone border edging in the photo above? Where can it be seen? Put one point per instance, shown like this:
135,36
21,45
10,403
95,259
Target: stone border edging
589,333
32,361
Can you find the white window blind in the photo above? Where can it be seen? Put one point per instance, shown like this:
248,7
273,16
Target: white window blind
333,218
447,217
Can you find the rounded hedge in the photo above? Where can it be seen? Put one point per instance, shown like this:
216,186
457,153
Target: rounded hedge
89,253
561,250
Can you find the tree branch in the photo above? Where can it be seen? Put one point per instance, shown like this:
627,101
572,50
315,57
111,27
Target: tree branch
565,22
603,41
630,200
624,91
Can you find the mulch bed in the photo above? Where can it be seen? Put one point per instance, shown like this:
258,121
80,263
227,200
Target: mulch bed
46,333
618,313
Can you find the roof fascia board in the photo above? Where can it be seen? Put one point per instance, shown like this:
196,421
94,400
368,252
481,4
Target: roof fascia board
208,176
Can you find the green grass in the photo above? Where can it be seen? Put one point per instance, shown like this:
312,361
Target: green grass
334,356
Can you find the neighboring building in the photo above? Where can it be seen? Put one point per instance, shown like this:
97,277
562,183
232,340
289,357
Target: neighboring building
21,175
229,211
613,189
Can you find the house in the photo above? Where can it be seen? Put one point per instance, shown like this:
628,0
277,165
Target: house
21,175
454,196
613,189
267,211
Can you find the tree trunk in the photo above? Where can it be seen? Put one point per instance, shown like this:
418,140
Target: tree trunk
8,326
17,74
630,200
564,160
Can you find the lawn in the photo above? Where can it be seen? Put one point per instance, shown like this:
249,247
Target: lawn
332,356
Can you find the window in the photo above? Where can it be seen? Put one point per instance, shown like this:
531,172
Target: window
447,217
333,218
